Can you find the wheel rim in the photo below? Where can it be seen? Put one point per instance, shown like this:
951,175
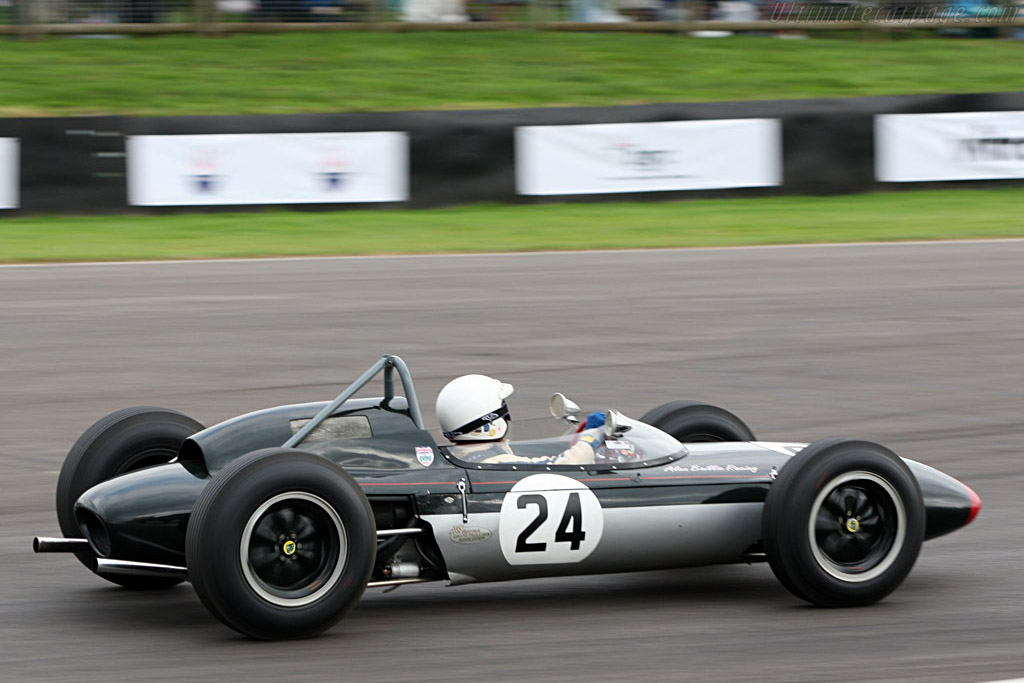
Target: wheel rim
293,549
857,526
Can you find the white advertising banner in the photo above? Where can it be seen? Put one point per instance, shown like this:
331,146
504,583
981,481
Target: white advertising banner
273,168
648,157
961,146
9,173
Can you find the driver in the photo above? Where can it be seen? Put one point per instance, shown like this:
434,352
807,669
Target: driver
473,415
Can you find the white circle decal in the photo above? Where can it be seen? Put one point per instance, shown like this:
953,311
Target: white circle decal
549,519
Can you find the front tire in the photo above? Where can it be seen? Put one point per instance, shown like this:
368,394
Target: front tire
693,422
843,523
124,441
280,544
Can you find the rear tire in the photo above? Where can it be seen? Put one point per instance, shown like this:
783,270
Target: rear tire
693,422
124,441
843,523
280,544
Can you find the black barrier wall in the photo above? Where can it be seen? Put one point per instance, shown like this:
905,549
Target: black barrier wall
77,165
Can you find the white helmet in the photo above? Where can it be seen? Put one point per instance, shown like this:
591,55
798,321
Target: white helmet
472,408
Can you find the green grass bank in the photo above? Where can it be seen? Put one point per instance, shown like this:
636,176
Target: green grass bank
339,72
924,215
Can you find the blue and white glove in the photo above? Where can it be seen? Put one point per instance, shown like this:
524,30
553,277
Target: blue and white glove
593,434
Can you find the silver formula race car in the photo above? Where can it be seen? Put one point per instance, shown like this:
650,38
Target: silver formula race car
281,518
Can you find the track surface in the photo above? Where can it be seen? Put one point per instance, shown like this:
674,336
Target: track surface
918,346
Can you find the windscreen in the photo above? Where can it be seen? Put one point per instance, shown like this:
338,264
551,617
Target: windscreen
636,445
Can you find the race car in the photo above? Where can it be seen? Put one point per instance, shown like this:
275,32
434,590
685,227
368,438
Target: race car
281,518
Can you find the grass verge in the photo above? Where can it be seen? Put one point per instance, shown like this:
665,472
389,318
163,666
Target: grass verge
912,215
338,72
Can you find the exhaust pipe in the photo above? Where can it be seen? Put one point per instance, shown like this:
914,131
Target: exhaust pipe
41,544
124,567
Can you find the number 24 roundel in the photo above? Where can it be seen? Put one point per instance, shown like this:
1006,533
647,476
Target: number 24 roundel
549,519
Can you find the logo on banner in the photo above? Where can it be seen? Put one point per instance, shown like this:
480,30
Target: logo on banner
985,145
203,165
989,144
267,168
656,156
632,156
333,170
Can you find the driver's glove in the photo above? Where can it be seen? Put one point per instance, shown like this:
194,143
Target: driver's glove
584,451
594,420
592,437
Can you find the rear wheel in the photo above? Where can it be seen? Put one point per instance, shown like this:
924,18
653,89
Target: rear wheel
843,523
280,544
126,440
693,422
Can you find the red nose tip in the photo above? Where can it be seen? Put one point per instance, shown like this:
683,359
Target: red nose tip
975,504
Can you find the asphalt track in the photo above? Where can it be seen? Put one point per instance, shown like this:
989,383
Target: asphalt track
919,346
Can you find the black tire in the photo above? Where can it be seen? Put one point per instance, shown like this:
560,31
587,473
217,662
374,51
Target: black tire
693,422
126,440
843,523
237,545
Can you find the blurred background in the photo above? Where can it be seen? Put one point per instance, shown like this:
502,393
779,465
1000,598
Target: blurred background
45,15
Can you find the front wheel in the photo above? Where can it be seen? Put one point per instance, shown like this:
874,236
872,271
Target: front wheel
124,441
280,544
843,523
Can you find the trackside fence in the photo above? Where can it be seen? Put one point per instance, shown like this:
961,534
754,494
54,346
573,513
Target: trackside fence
424,159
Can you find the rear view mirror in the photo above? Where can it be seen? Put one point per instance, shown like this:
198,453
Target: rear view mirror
614,424
563,408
